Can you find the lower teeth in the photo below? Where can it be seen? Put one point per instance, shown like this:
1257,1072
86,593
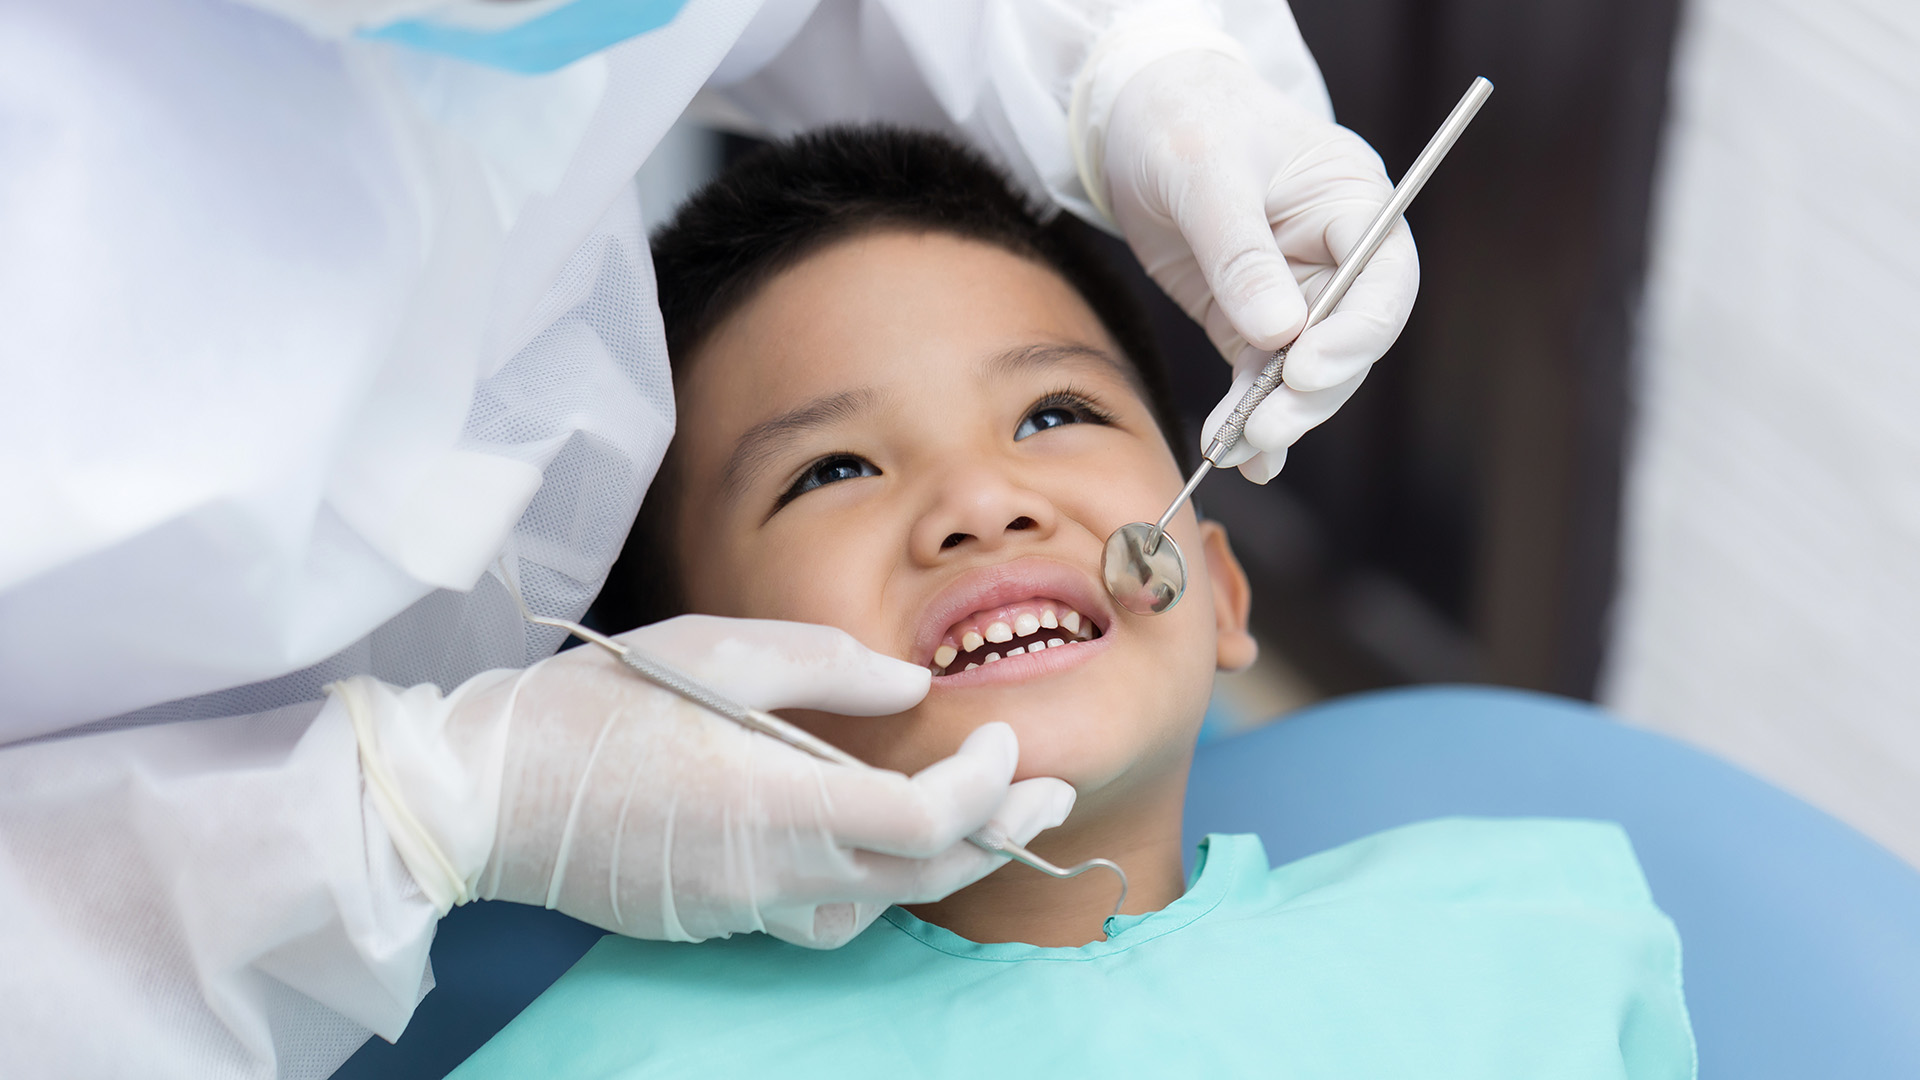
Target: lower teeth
994,657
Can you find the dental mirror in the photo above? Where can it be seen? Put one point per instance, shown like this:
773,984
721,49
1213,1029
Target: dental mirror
1143,567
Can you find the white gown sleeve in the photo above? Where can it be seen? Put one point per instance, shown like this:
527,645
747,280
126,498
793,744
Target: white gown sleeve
246,275
208,899
1000,73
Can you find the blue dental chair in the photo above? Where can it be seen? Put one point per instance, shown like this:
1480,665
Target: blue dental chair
1801,937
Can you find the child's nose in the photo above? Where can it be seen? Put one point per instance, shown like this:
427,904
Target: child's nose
981,510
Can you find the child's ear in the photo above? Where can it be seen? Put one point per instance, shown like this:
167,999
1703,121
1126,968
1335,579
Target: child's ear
1232,600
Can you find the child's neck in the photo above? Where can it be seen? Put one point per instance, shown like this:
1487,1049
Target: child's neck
1140,831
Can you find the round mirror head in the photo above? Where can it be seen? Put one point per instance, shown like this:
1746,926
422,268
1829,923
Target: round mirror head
1144,569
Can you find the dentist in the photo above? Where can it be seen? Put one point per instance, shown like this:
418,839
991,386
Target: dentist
326,326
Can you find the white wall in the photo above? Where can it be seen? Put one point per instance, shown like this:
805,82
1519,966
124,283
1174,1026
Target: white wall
1770,607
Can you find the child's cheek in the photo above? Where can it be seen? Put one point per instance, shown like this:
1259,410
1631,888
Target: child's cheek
822,579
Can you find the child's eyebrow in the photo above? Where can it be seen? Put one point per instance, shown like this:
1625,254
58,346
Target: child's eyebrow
1049,353
761,444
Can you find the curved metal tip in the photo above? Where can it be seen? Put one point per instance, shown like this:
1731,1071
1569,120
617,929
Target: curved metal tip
1121,874
1020,854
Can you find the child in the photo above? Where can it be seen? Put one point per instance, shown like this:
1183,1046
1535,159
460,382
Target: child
910,410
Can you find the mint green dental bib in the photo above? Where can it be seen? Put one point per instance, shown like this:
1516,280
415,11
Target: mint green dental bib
1452,948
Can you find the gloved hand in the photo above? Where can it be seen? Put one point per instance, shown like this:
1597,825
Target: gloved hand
629,808
1240,202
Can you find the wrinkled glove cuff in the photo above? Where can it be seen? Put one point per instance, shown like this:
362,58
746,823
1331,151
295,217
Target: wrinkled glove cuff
1135,40
434,781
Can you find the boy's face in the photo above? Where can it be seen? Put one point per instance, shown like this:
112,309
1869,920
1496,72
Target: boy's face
919,438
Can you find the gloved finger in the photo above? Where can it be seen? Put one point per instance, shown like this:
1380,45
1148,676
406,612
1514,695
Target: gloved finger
827,926
770,664
1224,221
922,816
1288,414
1264,466
1031,808
1367,322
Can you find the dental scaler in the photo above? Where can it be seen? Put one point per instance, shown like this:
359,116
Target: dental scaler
1143,567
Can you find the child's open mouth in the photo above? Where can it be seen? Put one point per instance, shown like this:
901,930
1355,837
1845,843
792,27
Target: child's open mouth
1031,618
1028,626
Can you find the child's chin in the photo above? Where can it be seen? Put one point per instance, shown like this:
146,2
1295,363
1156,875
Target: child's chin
1086,761
1086,745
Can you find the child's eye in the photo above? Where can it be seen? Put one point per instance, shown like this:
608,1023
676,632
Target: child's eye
829,470
1059,410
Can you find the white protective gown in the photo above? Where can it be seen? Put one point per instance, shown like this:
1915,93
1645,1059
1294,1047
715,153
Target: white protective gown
298,338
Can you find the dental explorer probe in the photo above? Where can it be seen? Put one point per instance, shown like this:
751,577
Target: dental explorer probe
1142,577
670,678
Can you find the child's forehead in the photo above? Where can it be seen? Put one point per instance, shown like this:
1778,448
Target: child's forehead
888,310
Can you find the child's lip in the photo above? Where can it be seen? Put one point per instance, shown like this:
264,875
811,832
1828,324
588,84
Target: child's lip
1008,583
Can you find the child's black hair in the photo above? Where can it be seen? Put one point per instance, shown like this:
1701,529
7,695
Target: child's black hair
783,202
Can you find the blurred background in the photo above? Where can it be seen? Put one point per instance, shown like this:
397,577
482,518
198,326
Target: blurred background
1652,436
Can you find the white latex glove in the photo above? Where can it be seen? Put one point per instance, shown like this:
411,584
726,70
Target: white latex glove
629,808
1240,202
